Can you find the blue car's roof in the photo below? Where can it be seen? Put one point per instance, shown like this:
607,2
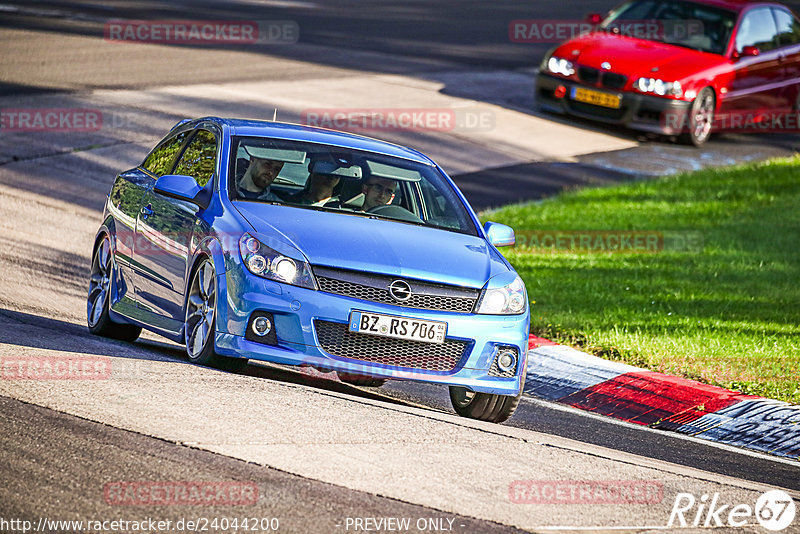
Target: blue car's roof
297,132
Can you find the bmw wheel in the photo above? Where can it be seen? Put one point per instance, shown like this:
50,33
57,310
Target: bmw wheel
701,117
483,406
97,302
201,321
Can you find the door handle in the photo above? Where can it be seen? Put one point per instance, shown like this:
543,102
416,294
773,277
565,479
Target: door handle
147,211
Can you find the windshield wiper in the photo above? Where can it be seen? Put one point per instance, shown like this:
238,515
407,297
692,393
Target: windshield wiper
683,45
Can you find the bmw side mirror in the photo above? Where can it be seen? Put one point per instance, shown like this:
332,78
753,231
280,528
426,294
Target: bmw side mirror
499,235
182,187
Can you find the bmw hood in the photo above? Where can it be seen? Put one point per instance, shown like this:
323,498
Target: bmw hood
377,245
637,57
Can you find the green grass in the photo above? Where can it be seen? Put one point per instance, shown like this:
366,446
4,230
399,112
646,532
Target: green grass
725,313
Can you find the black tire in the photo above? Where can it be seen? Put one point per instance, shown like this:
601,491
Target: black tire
97,301
361,380
701,118
483,406
200,322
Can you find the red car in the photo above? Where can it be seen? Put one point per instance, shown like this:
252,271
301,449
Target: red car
681,68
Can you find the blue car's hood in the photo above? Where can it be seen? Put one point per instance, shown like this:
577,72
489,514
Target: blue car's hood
378,246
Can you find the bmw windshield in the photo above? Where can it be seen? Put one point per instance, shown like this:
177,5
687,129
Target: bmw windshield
331,178
688,24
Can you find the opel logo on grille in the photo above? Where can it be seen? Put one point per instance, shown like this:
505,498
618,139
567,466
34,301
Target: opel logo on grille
400,290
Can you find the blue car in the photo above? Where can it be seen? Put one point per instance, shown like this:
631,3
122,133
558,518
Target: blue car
267,241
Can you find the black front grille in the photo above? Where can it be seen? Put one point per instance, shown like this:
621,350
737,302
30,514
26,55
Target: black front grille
588,75
613,80
609,80
375,288
337,340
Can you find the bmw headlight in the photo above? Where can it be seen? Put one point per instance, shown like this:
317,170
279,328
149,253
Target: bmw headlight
262,260
509,299
659,87
560,66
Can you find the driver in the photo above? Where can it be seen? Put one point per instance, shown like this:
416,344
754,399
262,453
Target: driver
257,179
378,192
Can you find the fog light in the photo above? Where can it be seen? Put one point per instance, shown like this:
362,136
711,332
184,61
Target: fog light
560,92
506,360
261,326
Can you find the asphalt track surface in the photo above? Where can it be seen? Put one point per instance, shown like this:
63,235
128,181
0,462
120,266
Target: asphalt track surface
89,454
55,462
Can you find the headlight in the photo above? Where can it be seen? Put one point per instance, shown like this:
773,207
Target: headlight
560,66
507,300
261,260
659,87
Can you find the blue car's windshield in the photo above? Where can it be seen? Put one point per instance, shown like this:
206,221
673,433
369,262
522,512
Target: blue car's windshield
332,178
688,24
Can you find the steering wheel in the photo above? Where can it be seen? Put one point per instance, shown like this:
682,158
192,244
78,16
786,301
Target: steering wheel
394,212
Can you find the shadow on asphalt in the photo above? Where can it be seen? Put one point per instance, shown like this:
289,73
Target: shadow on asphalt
76,338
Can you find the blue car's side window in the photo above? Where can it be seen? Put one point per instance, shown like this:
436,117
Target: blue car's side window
199,160
159,161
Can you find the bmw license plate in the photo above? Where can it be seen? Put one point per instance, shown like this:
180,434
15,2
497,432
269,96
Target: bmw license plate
598,98
396,327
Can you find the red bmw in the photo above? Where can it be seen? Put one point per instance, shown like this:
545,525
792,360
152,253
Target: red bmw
681,68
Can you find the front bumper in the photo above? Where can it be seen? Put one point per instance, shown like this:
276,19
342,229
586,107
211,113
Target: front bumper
300,313
637,111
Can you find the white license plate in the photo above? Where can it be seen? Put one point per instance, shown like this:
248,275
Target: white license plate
396,327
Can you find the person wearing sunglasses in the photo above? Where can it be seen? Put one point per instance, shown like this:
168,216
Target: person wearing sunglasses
378,192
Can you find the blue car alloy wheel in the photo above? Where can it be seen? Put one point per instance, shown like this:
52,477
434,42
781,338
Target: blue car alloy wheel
255,240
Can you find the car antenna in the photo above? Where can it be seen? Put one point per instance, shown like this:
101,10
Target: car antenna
275,115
